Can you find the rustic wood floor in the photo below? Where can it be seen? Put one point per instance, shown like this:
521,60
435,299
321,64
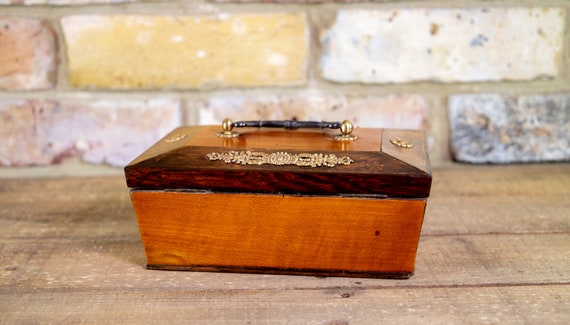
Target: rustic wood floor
495,248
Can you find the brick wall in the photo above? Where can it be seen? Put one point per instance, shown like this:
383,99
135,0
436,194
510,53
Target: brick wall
100,80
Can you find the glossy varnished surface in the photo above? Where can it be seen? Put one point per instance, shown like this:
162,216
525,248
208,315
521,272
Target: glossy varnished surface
183,163
279,233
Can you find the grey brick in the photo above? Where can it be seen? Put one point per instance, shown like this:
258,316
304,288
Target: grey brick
492,128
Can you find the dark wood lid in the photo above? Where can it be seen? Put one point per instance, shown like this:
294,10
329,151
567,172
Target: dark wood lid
182,160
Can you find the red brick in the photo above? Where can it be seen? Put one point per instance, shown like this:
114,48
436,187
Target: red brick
409,112
99,131
27,54
59,2
21,133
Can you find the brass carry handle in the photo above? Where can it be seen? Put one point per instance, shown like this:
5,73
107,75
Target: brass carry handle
345,127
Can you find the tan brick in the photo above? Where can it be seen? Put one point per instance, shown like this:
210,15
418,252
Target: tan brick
27,54
99,131
408,112
146,52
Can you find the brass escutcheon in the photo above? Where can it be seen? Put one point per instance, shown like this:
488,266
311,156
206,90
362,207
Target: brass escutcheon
401,143
175,138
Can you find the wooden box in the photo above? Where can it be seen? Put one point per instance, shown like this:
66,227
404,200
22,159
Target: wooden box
303,201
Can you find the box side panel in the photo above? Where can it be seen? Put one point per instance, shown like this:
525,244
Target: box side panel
294,234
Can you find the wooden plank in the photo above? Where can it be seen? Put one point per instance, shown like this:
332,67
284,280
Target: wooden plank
495,248
329,305
490,180
475,200
36,209
499,199
443,261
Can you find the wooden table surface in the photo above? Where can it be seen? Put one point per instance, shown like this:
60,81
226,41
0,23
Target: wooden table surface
495,248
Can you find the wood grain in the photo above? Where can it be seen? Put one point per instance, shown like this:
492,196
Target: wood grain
279,233
495,248
481,305
442,261
167,165
320,140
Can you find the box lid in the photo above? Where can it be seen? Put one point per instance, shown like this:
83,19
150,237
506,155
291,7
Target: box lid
381,162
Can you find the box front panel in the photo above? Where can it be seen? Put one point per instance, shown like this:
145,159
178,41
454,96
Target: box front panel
279,233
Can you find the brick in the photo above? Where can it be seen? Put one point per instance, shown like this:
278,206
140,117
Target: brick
493,128
27,54
147,52
21,133
98,131
407,112
59,2
443,45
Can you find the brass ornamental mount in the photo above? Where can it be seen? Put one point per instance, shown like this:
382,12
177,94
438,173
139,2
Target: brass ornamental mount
401,143
345,127
280,158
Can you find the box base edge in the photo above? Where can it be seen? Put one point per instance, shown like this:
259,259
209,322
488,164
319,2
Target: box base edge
283,271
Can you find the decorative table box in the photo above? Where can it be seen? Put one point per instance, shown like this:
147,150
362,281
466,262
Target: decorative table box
283,197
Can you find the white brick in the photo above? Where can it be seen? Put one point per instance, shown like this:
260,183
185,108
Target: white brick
445,45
